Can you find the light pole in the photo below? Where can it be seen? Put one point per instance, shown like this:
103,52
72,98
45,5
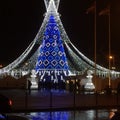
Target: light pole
106,11
113,63
110,58
95,44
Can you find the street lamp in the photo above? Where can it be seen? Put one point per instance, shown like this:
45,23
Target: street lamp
106,11
110,58
113,63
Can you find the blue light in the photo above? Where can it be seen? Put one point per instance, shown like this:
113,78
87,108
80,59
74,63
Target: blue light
52,55
51,116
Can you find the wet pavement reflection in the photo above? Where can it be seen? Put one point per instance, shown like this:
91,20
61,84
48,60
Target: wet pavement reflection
69,115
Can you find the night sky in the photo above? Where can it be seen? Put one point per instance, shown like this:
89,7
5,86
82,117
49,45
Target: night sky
21,20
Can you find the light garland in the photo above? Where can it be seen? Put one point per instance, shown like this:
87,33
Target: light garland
22,63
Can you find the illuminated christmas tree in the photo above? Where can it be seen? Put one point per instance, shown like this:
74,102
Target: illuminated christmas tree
52,63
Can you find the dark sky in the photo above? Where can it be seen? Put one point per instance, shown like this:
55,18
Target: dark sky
21,20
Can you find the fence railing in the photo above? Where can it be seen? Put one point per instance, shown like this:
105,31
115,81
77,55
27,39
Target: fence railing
43,100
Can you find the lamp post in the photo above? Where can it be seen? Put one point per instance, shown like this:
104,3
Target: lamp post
113,63
106,11
95,43
110,58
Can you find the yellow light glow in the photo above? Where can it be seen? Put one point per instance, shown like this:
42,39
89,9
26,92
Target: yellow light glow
110,57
